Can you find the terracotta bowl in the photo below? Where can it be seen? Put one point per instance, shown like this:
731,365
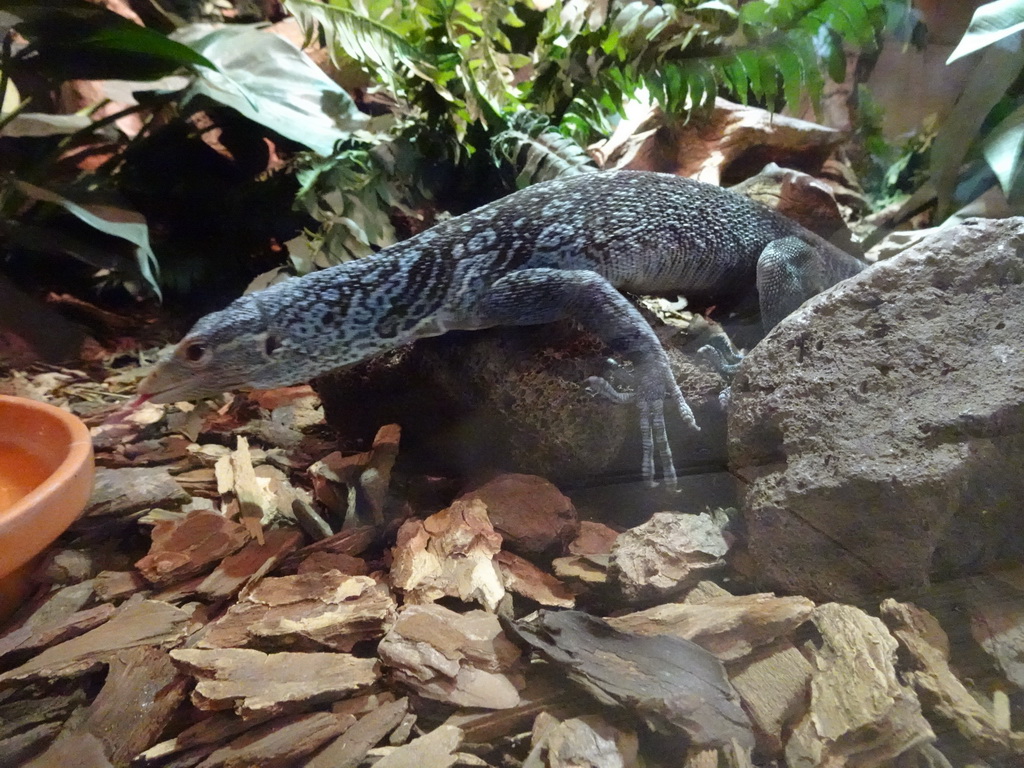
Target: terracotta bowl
46,472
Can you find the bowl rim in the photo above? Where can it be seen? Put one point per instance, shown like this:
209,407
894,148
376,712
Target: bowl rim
79,453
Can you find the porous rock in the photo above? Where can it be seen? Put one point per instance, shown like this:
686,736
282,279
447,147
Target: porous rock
516,398
881,427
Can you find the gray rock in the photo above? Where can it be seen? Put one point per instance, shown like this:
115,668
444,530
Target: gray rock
515,398
881,428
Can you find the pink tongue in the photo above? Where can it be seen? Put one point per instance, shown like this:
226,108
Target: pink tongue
137,402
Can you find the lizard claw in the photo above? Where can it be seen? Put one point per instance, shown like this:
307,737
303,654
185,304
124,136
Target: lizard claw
656,384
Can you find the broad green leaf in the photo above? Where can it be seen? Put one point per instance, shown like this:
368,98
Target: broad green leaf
113,220
754,13
273,83
44,124
76,39
999,66
1002,151
991,23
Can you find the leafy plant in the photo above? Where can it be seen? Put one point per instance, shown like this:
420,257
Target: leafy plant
259,76
529,82
986,127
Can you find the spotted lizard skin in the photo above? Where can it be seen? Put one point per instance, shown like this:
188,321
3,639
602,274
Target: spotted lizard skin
558,249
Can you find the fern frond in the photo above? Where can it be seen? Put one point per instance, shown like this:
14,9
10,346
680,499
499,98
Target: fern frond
774,69
381,50
539,150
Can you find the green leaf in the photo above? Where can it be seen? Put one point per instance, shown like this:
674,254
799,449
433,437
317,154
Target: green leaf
792,70
273,83
988,83
754,13
1002,151
75,39
383,47
991,22
44,124
540,151
113,220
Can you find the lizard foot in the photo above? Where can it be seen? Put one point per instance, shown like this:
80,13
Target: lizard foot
655,385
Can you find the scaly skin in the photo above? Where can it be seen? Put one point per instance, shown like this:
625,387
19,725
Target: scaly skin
559,249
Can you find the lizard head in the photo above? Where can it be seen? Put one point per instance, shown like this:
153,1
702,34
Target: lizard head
234,348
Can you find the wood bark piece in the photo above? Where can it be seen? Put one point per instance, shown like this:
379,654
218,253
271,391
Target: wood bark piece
805,199
20,749
668,554
348,750
146,622
142,692
774,689
706,147
545,692
133,489
590,741
310,520
460,658
436,748
367,477
28,638
526,579
185,547
588,570
197,741
593,539
533,517
258,683
73,747
310,611
249,563
322,562
940,690
859,713
54,608
113,586
23,714
352,541
68,565
729,627
644,675
256,506
281,742
376,478
450,554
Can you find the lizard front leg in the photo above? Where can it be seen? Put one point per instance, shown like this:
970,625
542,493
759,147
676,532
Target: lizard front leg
789,271
542,295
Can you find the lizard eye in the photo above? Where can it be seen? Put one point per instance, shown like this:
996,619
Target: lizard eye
195,352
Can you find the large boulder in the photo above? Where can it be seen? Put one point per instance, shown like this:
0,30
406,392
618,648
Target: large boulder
515,399
881,427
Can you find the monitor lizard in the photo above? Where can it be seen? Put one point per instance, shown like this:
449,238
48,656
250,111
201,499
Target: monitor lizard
557,249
